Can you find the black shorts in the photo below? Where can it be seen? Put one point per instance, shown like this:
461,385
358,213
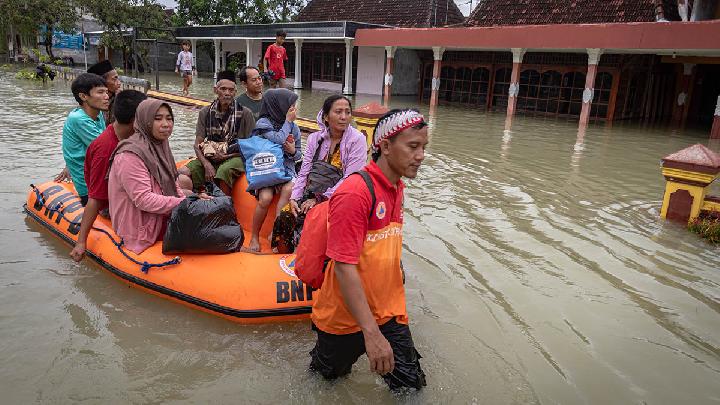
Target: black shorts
334,355
83,200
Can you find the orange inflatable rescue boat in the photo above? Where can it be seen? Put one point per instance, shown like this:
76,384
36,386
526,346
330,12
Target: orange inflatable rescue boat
242,287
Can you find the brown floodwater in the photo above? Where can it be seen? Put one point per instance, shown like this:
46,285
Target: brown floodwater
538,272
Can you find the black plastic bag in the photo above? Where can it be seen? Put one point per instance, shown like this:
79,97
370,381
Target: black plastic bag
203,226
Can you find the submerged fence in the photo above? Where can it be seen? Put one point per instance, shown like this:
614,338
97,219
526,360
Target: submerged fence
69,74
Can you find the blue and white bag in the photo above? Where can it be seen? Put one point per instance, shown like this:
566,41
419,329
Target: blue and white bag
264,162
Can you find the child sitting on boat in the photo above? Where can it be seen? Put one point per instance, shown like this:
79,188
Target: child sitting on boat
277,124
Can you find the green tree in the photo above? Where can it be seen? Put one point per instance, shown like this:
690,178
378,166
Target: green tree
29,15
118,17
286,10
216,12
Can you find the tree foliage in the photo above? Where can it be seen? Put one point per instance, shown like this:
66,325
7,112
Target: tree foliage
118,17
29,15
217,12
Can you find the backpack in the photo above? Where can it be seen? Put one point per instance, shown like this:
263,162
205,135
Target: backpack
310,257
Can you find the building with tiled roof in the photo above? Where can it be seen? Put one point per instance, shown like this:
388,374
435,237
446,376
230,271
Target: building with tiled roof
396,13
541,12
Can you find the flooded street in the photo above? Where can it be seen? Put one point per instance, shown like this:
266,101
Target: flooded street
538,272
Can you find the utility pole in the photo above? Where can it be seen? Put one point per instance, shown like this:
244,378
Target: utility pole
134,54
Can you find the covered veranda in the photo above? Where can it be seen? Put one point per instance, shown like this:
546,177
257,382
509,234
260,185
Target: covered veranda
320,54
686,44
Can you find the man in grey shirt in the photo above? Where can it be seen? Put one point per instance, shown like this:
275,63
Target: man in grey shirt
252,98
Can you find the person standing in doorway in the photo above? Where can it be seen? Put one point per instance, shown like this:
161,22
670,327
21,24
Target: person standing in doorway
361,305
275,57
185,67
252,98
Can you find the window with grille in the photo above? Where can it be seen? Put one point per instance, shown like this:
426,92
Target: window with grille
601,99
501,87
544,89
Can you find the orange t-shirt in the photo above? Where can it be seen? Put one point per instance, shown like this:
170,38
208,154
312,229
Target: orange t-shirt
374,245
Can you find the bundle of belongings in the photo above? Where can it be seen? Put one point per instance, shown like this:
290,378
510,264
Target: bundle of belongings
203,226
211,148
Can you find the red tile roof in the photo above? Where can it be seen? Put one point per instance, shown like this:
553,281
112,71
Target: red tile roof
695,155
540,12
397,13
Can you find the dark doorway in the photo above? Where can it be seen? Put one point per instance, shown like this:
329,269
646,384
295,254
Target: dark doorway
704,96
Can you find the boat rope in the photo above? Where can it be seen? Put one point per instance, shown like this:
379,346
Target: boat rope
144,265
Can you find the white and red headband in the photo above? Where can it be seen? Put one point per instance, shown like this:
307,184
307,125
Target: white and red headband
394,124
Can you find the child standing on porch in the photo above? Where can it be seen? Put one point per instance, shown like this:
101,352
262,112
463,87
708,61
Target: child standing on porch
185,66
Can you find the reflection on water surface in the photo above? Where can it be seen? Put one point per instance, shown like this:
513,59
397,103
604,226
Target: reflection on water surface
538,271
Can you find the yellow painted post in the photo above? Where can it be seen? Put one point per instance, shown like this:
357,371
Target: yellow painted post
366,117
689,173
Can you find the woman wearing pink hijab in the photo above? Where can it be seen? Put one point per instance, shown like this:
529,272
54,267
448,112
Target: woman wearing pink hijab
142,181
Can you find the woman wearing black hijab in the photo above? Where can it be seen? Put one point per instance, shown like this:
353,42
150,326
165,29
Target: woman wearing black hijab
276,123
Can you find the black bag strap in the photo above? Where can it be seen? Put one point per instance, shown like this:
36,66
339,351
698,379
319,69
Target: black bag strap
368,181
317,150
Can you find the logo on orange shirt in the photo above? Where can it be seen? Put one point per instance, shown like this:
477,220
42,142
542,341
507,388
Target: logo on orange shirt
380,211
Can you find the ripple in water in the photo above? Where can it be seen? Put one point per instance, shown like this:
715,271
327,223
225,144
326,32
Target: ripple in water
538,271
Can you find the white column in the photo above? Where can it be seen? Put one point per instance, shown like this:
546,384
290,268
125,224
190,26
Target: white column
193,49
248,53
216,42
298,63
11,44
437,68
348,66
594,55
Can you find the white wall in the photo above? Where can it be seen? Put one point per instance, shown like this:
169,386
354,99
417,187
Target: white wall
370,70
233,45
256,52
240,45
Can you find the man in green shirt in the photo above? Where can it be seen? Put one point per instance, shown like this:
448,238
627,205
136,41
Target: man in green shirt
252,98
83,125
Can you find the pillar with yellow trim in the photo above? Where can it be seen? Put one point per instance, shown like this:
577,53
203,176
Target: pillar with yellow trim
689,173
366,117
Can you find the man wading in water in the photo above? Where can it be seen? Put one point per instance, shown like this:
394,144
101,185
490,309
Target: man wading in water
361,305
185,67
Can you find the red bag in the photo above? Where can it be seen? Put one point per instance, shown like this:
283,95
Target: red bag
310,257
